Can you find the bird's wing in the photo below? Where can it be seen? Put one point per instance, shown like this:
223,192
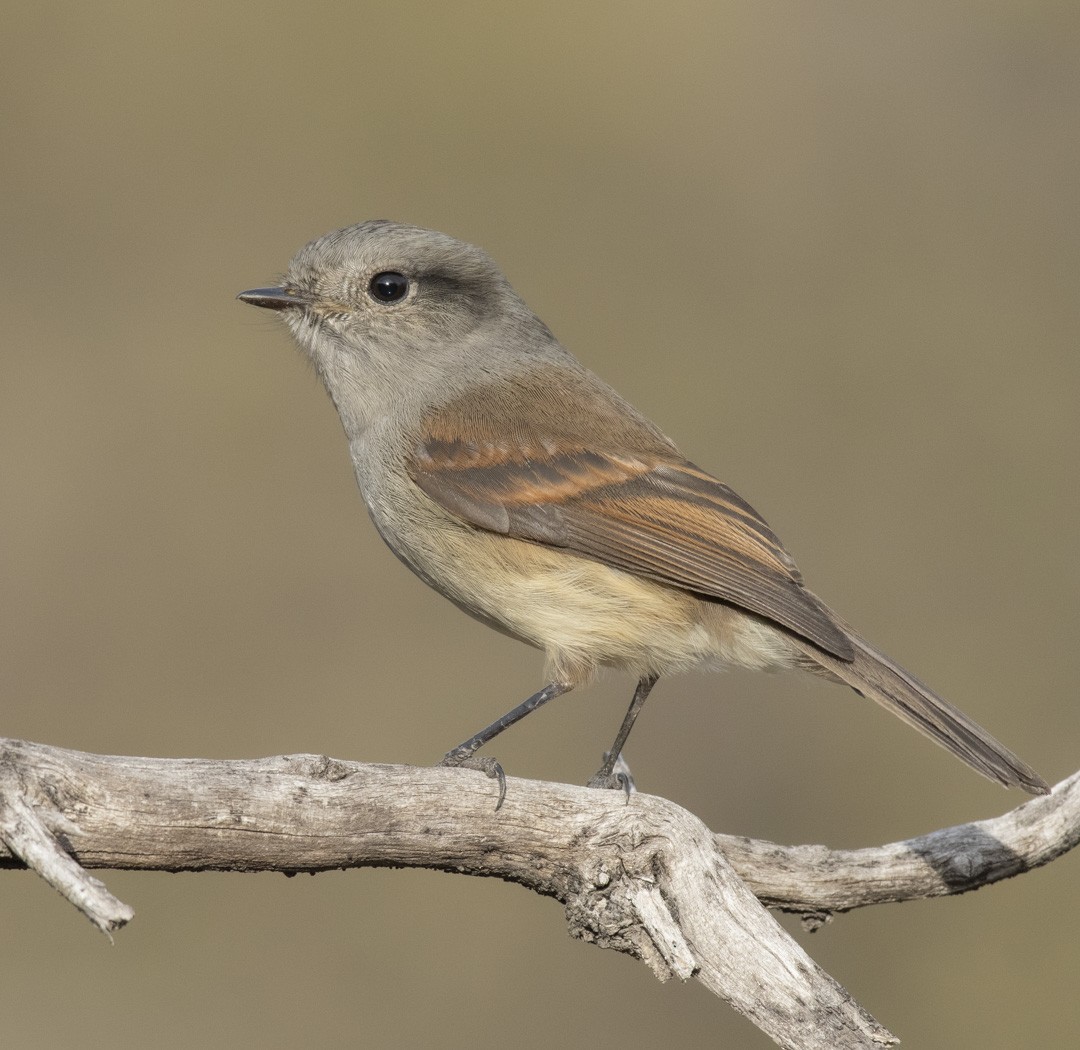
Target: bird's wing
654,515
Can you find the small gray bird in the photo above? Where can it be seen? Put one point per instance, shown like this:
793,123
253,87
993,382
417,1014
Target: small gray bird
528,492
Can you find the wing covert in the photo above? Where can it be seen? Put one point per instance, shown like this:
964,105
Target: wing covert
652,515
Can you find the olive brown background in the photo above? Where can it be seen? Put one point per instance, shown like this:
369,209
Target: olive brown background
831,248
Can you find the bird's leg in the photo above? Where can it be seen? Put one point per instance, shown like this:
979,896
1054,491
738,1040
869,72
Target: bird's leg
463,756
606,777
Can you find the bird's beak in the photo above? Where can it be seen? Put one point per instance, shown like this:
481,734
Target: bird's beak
273,298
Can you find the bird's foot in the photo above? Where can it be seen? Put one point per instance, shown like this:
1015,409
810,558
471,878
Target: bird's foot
490,767
613,775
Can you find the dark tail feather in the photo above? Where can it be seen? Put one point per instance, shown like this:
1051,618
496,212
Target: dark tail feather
875,676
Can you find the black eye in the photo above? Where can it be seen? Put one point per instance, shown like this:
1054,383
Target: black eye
389,287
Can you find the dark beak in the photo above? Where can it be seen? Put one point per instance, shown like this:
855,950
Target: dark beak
273,298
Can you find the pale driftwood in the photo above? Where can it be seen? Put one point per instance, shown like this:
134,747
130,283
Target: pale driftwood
642,876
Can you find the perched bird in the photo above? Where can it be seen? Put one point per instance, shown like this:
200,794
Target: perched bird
528,492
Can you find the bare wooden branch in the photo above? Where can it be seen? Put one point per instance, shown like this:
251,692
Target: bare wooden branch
27,833
642,876
818,881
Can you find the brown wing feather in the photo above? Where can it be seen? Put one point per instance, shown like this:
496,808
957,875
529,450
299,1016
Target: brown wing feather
652,514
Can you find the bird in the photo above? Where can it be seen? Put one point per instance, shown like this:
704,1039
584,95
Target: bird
517,483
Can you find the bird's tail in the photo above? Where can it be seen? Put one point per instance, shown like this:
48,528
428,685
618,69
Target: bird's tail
873,675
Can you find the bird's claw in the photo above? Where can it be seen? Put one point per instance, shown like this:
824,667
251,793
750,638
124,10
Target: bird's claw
613,776
488,766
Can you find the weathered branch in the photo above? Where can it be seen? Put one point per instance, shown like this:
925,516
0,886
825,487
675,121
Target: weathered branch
644,877
818,880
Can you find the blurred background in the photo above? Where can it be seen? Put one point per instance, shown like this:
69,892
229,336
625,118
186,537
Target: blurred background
831,248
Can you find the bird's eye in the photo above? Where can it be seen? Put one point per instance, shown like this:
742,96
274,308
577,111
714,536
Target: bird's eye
389,287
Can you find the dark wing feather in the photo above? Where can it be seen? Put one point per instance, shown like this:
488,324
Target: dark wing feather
652,515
